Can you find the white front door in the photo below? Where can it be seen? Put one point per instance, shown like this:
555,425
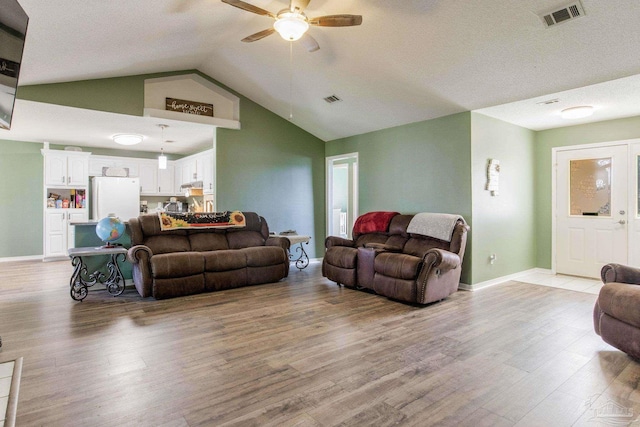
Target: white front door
592,190
634,205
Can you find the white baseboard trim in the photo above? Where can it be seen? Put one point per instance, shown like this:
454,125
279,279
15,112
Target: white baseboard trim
498,280
22,258
464,287
311,260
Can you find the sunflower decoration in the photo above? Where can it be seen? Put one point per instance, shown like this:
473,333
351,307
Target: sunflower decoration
169,222
237,218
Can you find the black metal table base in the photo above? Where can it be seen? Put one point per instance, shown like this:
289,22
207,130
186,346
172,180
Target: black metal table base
81,280
303,260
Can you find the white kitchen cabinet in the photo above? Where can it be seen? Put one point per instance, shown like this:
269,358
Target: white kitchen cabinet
65,169
66,178
55,239
189,170
177,178
198,167
155,181
97,163
206,160
59,233
165,181
148,171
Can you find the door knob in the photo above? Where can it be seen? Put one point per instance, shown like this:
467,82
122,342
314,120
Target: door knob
622,221
622,212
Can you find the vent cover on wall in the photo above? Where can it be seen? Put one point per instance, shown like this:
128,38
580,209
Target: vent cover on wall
564,14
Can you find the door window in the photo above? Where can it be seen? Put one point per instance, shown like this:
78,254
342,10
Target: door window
590,187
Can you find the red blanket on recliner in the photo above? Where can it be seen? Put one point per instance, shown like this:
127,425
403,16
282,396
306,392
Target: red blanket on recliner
373,222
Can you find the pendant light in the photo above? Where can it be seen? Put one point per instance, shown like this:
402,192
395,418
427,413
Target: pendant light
162,159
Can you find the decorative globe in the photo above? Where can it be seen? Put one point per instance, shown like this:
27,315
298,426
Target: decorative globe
109,229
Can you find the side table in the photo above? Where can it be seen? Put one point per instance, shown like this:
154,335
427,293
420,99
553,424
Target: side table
81,280
303,260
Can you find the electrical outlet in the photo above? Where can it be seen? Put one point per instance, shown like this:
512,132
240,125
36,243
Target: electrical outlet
492,259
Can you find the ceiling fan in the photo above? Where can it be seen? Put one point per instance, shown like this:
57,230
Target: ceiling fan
292,24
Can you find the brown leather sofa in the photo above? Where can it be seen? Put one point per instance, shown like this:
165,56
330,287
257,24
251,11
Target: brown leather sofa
174,263
616,315
390,261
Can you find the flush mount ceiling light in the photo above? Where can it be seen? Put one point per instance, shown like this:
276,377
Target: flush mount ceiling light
577,112
127,139
291,25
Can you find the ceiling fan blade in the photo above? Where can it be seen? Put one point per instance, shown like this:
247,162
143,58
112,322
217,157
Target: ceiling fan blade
309,43
336,20
301,5
258,36
248,7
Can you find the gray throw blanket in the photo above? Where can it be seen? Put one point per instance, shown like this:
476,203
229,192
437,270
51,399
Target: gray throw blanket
437,225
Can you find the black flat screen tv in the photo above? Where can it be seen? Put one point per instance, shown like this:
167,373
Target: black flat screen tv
13,33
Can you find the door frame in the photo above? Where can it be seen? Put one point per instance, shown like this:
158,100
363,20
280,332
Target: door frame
631,200
329,185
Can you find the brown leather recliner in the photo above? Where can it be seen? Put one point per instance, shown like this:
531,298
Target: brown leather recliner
616,315
390,261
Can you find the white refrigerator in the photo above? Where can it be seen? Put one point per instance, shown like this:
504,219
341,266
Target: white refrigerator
115,195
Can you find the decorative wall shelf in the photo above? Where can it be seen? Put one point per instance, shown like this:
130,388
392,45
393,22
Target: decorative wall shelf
195,88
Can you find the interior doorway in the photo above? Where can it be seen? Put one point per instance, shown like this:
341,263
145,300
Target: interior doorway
596,217
342,194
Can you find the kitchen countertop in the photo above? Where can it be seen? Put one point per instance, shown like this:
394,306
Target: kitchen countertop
92,222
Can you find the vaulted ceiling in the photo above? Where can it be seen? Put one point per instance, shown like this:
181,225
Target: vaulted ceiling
410,60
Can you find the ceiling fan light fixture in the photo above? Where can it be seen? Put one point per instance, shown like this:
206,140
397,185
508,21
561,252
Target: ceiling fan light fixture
127,139
577,112
291,25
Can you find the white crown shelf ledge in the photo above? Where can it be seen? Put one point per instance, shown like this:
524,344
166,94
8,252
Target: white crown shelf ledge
204,120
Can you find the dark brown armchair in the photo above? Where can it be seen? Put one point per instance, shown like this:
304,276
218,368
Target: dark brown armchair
616,315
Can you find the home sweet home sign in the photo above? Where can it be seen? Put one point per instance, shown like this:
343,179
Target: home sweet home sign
189,107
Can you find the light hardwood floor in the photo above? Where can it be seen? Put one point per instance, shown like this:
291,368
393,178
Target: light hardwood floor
305,352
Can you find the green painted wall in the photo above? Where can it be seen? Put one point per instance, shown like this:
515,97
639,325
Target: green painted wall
276,169
611,130
270,166
503,225
124,95
21,171
419,167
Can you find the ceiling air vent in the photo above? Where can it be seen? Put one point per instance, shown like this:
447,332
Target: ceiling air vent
549,101
567,13
331,99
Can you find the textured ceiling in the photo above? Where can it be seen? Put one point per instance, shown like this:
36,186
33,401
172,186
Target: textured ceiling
409,61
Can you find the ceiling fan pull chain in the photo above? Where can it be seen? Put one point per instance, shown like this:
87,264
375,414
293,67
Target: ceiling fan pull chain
291,80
